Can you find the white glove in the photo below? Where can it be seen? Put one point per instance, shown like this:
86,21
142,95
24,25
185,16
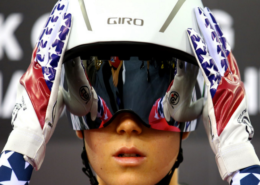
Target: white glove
81,97
225,114
177,103
39,101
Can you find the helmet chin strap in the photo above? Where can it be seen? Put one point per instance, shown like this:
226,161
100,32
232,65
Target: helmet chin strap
93,180
87,170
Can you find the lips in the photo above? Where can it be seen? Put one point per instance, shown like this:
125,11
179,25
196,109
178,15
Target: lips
129,157
128,151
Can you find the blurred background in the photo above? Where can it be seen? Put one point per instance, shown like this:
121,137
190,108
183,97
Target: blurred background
20,24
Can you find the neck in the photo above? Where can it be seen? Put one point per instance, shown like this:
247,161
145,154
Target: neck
174,180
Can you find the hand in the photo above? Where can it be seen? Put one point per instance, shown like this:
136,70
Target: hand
225,114
39,101
177,103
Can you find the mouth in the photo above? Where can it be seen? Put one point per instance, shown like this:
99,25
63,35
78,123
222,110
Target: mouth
129,157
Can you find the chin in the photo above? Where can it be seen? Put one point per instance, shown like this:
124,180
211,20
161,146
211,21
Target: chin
127,178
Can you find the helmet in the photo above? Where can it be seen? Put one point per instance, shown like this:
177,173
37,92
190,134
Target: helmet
122,56
147,41
131,28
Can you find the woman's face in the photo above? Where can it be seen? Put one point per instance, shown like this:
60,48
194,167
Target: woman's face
127,152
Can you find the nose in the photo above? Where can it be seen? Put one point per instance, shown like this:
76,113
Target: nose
129,125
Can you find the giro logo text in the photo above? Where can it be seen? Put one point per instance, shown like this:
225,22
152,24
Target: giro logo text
125,20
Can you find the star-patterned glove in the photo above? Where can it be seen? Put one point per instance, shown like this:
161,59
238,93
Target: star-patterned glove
247,176
14,170
225,114
39,101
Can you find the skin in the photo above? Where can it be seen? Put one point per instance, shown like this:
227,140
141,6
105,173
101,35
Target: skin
159,147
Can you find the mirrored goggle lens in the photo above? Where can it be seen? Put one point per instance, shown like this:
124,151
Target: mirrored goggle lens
126,85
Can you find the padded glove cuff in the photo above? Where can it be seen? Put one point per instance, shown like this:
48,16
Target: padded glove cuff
229,159
28,143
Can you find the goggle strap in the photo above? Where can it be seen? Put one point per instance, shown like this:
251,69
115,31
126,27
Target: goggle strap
87,170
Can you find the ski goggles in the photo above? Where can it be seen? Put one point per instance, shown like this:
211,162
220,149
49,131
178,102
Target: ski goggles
134,86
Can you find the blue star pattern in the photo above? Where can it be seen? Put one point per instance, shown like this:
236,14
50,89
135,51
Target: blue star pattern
51,42
221,36
206,61
215,37
14,170
247,176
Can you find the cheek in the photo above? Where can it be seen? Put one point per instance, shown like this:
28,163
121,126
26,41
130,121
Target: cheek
96,144
164,150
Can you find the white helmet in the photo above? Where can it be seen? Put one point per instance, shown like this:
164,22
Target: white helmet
135,31
131,28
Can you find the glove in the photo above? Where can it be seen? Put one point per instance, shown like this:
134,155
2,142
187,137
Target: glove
81,97
225,114
39,101
177,103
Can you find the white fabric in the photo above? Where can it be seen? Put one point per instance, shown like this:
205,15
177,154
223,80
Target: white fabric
77,81
182,108
153,18
232,147
28,137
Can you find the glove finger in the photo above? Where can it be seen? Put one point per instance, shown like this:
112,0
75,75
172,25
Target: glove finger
232,64
51,32
205,61
225,45
50,54
213,43
52,72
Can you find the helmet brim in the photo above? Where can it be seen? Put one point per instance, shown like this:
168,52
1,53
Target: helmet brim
124,50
